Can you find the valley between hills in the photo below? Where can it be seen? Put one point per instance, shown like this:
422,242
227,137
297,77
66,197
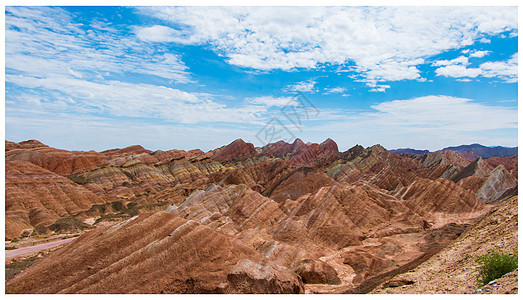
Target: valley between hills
284,218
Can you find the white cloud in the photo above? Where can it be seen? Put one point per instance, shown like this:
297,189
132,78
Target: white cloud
45,40
52,60
303,86
479,53
462,60
458,71
99,133
158,33
272,101
384,43
504,70
74,73
335,90
377,87
447,112
431,122
136,100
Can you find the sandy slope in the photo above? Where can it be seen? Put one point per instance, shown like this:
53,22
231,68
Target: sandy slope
454,269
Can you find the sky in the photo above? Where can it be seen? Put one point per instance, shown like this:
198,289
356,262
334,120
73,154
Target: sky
96,78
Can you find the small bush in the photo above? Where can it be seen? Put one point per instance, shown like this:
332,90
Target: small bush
67,225
495,265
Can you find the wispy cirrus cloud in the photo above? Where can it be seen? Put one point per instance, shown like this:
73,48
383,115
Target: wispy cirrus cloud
270,101
61,67
46,40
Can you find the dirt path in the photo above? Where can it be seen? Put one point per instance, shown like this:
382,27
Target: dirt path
32,249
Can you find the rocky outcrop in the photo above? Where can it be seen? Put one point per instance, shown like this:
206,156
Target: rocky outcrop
232,209
155,253
329,146
235,150
342,215
301,181
479,168
301,154
36,196
61,162
509,162
453,271
316,272
30,144
427,197
444,164
498,182
281,218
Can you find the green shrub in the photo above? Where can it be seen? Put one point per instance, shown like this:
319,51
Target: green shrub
494,265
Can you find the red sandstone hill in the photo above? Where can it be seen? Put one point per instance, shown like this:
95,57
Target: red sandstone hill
59,161
35,196
301,154
235,150
284,218
175,256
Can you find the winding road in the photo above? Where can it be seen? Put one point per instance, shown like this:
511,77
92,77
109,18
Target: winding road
36,248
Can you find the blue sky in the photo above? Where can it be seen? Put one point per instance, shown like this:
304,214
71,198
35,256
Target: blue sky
199,77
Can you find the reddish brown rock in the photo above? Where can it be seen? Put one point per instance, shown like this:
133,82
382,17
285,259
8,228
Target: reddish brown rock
302,207
343,215
155,253
509,162
498,182
30,144
329,146
59,161
232,209
478,167
365,263
235,150
426,197
316,272
300,182
36,196
301,154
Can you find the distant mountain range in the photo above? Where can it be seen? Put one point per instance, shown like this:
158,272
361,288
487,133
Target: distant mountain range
469,150
409,151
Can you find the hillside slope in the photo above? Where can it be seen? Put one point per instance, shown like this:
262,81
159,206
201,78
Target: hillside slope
454,269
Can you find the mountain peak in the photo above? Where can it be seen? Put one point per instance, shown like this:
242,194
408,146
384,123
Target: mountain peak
329,145
237,149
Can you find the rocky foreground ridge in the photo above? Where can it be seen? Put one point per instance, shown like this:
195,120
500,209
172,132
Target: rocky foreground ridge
283,218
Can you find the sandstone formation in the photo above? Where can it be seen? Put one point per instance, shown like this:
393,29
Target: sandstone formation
454,269
283,218
178,256
36,196
235,150
61,162
498,182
